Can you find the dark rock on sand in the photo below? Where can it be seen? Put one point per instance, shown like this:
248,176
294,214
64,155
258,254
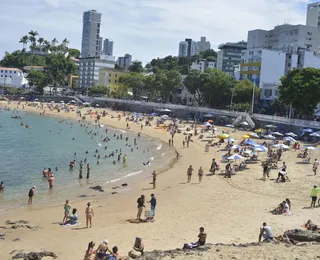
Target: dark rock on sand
115,187
97,188
124,184
34,255
303,235
114,192
16,239
83,196
19,222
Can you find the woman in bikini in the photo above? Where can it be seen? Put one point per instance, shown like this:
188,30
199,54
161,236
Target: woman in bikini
89,214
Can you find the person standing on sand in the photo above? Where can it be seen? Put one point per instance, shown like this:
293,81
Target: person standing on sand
141,205
154,179
67,209
31,194
153,204
315,166
314,195
88,170
200,174
89,214
189,173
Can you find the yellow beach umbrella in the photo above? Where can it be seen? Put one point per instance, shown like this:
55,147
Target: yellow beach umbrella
259,130
224,136
246,136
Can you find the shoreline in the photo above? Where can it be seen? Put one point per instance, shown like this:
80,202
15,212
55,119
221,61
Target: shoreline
107,185
230,210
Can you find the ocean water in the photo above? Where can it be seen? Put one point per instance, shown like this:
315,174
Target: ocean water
51,142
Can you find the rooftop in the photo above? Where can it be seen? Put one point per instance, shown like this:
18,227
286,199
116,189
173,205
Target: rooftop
4,68
241,44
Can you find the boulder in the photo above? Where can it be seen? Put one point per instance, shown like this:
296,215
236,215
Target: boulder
97,188
34,255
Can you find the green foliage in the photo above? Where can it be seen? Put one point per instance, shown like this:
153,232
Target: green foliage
74,53
38,79
242,107
243,91
98,91
136,66
279,107
134,81
194,83
19,59
301,87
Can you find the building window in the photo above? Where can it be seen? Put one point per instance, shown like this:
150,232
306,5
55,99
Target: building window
251,52
267,93
259,52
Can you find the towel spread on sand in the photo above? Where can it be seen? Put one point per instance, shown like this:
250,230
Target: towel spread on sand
71,225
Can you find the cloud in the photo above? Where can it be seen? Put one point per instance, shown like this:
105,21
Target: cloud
146,28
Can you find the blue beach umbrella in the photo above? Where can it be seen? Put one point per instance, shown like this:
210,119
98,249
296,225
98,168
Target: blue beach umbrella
236,157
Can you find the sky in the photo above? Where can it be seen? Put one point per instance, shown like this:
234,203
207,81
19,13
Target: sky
146,29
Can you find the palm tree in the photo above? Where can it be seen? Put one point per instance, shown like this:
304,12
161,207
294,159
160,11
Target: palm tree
46,45
54,42
40,41
24,40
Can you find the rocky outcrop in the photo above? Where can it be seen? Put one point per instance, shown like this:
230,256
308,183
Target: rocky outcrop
97,188
299,235
18,224
34,255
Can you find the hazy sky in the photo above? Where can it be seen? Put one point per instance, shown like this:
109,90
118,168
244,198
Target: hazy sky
145,28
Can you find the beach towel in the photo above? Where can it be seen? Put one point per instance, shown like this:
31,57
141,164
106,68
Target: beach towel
71,225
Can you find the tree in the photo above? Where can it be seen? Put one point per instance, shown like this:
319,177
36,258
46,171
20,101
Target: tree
19,59
166,81
194,84
243,91
133,81
74,53
150,86
301,88
208,53
136,66
98,91
24,40
37,79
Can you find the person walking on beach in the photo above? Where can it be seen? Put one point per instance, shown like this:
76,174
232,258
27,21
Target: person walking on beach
315,166
200,174
88,170
89,214
314,195
153,204
154,179
189,173
67,209
31,194
141,205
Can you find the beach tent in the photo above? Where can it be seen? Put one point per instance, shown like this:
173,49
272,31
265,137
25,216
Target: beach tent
236,157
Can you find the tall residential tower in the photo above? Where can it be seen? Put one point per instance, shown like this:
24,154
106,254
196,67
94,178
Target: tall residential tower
108,47
90,34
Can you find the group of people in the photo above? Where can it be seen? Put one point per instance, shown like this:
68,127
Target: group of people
72,219
141,206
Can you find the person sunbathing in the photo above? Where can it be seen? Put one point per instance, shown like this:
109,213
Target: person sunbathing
202,237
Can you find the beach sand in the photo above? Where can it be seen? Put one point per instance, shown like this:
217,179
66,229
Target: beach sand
230,210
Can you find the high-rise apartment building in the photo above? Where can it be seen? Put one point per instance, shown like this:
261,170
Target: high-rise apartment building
124,62
188,47
90,34
108,47
100,45
313,15
284,37
230,56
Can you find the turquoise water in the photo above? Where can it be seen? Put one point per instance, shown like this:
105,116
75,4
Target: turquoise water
52,142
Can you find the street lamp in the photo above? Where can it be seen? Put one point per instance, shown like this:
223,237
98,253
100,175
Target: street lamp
253,92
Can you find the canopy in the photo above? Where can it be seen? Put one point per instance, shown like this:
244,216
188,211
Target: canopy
236,157
224,136
291,134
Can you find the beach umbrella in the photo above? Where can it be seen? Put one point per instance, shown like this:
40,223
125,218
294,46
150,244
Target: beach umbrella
164,117
308,130
235,147
254,135
269,137
52,101
97,105
283,146
315,135
245,136
271,126
276,133
291,134
244,123
259,130
207,124
236,157
260,147
153,114
311,148
231,140
61,101
36,99
73,101
224,136
248,152
210,121
232,126
250,142
208,115
289,138
166,110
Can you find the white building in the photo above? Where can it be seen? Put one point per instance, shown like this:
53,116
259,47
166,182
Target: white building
202,65
285,37
313,15
89,70
11,77
188,47
265,67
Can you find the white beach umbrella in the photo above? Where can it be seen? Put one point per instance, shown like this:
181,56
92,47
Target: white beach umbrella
254,135
236,147
244,123
276,133
271,126
52,101
97,105
232,126
315,135
207,124
291,134
283,146
269,137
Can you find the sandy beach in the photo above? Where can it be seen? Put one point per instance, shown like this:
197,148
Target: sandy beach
230,210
